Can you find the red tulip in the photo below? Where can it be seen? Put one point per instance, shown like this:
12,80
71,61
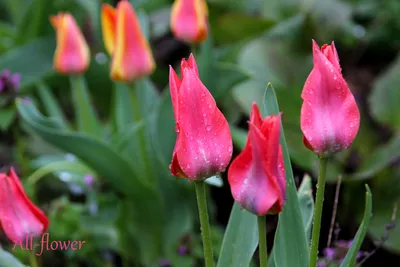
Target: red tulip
203,146
19,217
131,54
257,174
189,20
72,53
330,118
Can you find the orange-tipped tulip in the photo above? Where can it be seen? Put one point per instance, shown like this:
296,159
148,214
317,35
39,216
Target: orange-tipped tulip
72,53
124,40
108,24
189,20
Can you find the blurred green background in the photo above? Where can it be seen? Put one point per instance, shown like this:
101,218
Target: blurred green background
252,42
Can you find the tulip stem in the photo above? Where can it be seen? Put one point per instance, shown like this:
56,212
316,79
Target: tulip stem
87,121
319,202
262,241
205,226
32,259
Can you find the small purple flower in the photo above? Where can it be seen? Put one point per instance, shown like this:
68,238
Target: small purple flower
165,263
329,253
88,180
182,250
9,82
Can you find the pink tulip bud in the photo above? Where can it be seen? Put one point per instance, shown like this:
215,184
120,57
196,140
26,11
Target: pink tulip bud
330,118
257,174
203,145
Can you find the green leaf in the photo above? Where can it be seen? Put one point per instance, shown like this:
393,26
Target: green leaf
145,202
351,255
39,51
307,209
95,153
34,20
164,132
8,260
122,109
306,201
385,96
234,26
290,245
380,158
50,104
7,116
227,76
205,60
240,240
85,113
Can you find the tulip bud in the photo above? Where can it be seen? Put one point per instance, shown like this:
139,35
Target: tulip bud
330,118
131,54
257,174
203,145
189,20
72,52
19,217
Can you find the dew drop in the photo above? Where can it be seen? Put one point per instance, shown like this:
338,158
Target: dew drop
209,106
208,128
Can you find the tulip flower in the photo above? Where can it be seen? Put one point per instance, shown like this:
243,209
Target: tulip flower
72,53
203,146
330,117
257,176
19,217
189,20
125,42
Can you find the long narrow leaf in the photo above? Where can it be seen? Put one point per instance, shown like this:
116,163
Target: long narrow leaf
240,240
50,104
350,259
290,245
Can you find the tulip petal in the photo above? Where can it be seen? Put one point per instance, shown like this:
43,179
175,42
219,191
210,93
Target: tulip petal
189,20
205,140
72,53
191,63
329,115
19,217
331,54
174,85
132,58
248,177
255,115
108,25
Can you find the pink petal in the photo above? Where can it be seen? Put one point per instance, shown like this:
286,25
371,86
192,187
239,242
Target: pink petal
329,115
205,139
18,216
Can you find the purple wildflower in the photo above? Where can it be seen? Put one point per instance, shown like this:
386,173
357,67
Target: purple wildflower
165,263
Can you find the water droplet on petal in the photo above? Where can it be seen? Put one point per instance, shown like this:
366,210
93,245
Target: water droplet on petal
208,128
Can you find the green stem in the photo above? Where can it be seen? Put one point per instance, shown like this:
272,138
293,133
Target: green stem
32,259
262,241
205,226
84,111
137,116
319,202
